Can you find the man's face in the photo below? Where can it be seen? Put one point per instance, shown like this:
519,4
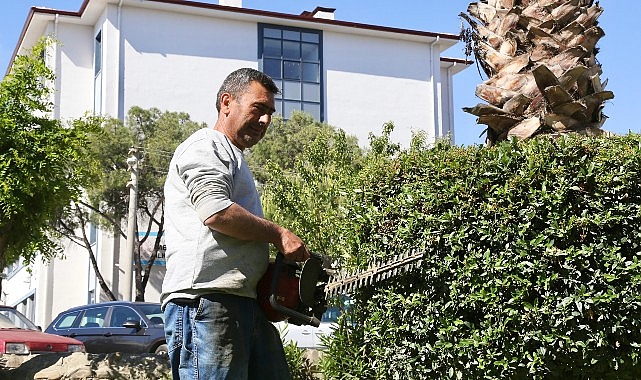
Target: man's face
248,116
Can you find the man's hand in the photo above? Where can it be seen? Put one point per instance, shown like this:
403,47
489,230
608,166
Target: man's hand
291,246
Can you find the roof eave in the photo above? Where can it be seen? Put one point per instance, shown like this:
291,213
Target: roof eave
456,65
446,40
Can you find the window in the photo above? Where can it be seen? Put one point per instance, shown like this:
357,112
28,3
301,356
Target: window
122,314
292,57
91,294
66,321
12,269
97,53
97,71
27,306
94,317
153,313
93,233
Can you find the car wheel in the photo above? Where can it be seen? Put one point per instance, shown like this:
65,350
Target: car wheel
161,350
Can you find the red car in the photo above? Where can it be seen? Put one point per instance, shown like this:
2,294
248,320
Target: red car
18,335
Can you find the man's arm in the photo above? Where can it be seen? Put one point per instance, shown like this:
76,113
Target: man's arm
239,223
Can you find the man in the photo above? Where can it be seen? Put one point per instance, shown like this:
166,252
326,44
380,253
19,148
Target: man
218,244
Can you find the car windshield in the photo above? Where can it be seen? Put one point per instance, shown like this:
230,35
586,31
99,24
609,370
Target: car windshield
12,319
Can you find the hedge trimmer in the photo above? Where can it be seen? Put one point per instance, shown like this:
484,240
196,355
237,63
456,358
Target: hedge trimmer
298,292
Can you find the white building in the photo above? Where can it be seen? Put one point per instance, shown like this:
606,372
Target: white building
173,55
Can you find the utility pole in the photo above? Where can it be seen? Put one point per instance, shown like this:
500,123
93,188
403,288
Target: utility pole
126,264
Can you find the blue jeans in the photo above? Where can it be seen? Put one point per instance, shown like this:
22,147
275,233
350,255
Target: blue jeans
222,336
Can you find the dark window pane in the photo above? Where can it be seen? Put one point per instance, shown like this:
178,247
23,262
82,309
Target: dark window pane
313,109
94,317
291,35
291,90
122,314
98,53
271,48
290,107
292,57
279,106
273,33
271,67
309,52
311,72
310,37
291,50
291,70
311,92
279,84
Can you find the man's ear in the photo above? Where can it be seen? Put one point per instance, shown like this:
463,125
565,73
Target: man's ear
225,101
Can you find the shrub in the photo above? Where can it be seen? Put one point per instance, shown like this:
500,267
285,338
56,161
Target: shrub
531,266
300,367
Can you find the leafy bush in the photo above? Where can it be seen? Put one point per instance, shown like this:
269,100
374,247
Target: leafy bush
531,266
313,197
42,162
531,255
300,367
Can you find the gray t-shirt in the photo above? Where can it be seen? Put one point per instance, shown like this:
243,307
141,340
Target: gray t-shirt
206,175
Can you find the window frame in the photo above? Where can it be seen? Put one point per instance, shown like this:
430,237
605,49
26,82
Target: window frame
305,39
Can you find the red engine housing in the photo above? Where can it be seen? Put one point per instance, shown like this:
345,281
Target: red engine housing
286,292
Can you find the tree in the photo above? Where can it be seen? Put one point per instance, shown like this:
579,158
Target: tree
285,142
540,58
152,136
40,160
308,190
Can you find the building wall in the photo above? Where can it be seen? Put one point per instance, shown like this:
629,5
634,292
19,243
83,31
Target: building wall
69,280
447,101
176,62
367,85
74,70
69,275
164,66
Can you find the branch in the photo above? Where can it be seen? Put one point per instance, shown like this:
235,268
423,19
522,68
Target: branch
111,220
92,257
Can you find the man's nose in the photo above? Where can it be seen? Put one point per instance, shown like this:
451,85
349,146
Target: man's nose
265,120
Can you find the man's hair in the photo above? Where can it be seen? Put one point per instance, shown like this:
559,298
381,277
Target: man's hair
238,81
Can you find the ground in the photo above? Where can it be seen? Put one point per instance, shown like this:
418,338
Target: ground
82,366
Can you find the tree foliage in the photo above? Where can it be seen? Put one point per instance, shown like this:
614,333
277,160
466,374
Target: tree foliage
152,136
286,140
305,191
41,160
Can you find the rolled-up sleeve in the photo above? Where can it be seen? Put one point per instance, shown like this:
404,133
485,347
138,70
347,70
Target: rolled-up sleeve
207,171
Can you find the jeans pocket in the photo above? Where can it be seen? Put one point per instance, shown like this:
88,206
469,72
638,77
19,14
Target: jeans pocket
174,326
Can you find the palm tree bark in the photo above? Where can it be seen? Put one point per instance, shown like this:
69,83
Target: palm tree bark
540,60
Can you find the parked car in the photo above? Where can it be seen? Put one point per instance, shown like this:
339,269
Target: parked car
117,326
311,337
18,335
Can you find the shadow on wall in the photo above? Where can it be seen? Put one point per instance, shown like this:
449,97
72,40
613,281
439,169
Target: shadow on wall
155,281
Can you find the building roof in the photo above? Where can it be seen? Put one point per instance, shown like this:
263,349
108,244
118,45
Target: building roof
90,10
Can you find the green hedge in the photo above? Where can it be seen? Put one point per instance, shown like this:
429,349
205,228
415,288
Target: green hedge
531,267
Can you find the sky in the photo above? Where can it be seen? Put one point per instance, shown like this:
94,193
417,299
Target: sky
619,54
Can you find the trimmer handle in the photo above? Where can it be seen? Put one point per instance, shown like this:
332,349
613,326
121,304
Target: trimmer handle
299,318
